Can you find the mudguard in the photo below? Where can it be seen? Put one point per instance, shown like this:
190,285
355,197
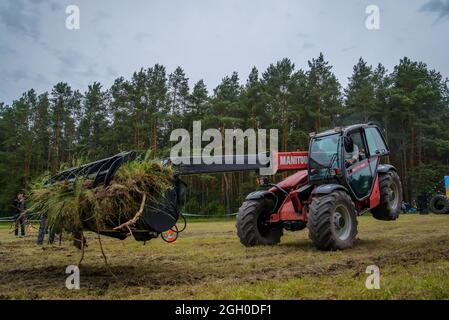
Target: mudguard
257,195
328,188
384,168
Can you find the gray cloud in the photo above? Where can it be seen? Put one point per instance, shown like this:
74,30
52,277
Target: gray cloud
100,16
348,48
42,79
111,72
308,45
68,58
209,39
142,36
89,72
441,7
104,39
19,74
55,6
18,16
7,51
301,34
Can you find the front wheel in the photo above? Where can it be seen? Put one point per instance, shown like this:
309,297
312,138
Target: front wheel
332,221
252,224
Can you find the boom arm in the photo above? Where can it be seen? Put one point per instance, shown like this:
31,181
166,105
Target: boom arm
277,161
102,171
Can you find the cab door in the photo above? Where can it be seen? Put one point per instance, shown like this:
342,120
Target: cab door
360,174
376,147
376,142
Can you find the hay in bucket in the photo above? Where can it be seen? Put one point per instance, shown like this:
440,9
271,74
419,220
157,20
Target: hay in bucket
76,206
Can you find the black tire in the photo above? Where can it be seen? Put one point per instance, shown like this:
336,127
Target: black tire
251,228
325,224
390,188
439,204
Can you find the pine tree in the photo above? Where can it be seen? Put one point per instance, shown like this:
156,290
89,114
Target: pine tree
324,97
197,105
277,88
121,110
94,125
252,100
360,93
224,114
65,107
417,101
41,134
298,137
225,104
157,109
178,92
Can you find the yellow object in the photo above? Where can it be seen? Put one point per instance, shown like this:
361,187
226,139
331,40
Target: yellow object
446,183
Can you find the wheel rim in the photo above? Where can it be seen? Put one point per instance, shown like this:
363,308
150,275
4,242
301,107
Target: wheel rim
394,196
262,222
262,225
342,222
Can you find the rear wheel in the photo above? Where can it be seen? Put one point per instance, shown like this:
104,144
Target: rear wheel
252,224
390,188
439,204
332,221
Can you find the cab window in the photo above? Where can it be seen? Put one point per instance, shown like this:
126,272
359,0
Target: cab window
376,144
359,176
358,150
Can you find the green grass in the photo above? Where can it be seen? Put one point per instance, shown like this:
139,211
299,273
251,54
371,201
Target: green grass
208,262
4,225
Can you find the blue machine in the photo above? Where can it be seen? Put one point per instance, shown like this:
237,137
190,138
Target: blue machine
446,185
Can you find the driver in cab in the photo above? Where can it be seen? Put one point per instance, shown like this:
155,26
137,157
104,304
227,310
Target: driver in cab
352,152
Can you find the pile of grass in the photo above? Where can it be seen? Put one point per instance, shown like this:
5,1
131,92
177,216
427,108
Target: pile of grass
74,207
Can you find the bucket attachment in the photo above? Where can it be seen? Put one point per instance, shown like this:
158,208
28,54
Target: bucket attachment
156,217
100,171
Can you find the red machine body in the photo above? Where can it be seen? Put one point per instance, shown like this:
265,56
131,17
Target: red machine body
338,179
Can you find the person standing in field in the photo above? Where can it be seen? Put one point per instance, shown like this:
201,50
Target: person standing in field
43,230
20,214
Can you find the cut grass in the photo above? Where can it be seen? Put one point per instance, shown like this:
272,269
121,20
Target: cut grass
77,206
208,262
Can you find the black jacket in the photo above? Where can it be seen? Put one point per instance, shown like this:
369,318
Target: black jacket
19,207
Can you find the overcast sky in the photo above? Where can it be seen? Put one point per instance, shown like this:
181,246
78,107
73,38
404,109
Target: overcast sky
208,38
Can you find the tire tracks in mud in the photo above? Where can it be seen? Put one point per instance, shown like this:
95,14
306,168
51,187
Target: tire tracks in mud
172,273
357,265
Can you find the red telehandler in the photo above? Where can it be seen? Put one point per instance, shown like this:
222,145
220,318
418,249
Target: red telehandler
338,179
342,180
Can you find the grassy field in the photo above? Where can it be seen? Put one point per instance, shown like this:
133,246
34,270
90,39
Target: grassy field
208,262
